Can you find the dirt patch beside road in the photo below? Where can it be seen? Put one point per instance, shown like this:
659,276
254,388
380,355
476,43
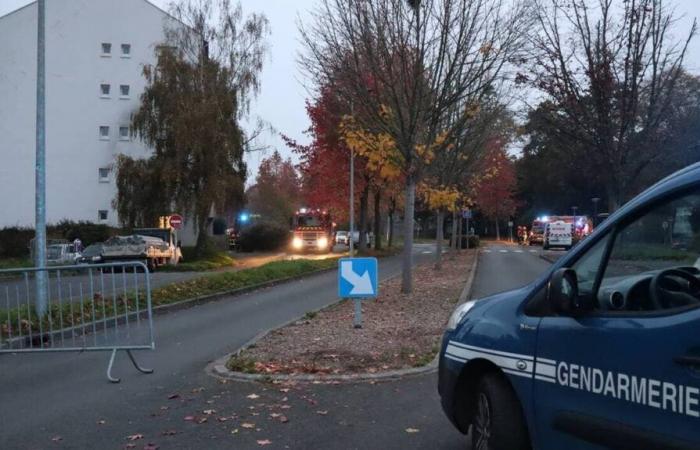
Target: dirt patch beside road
399,331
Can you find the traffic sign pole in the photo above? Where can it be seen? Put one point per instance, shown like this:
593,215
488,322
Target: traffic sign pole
357,321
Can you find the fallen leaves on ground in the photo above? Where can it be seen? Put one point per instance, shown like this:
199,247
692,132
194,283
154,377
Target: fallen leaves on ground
169,433
248,425
264,442
209,412
150,447
253,396
400,330
134,437
173,396
57,438
412,430
322,413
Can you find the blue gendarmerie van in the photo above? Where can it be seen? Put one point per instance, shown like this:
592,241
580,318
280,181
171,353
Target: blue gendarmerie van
602,351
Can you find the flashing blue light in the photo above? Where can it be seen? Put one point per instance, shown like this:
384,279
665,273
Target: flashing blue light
243,217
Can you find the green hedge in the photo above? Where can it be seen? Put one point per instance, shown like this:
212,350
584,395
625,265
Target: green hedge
263,236
15,241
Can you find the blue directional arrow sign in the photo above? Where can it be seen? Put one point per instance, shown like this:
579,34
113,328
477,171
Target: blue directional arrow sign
357,277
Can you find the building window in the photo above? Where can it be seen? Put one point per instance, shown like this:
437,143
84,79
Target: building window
103,173
124,90
105,89
104,133
102,215
126,50
124,133
106,49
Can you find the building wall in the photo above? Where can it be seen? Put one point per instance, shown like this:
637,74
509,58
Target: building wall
75,108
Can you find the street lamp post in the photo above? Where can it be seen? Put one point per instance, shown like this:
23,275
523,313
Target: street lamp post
352,191
40,165
574,209
352,200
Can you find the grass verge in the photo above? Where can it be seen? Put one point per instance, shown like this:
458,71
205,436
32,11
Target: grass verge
15,263
77,313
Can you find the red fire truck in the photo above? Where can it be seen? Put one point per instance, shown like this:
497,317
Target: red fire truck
312,231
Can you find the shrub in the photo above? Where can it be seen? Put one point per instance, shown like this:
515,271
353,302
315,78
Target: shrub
88,232
14,242
263,236
473,241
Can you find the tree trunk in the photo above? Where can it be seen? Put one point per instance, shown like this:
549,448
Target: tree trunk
614,200
498,231
202,245
377,219
459,232
364,200
453,243
439,237
407,260
392,209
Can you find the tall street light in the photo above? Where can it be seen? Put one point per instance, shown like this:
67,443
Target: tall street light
352,190
40,167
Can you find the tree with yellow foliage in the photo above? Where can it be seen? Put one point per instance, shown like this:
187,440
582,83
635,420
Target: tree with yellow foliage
453,169
382,172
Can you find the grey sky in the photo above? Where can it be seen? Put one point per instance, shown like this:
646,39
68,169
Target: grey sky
282,97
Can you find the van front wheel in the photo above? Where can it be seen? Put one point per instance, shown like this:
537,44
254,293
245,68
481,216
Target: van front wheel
497,423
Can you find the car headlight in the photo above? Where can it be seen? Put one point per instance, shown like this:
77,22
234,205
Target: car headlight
459,314
297,243
322,242
96,258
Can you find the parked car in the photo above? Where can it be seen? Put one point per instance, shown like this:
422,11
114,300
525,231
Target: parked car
62,254
341,237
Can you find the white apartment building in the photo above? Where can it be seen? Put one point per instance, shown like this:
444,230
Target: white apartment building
95,53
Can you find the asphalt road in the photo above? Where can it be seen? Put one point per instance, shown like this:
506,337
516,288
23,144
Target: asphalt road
63,400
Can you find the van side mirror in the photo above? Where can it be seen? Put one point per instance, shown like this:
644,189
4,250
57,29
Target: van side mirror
563,292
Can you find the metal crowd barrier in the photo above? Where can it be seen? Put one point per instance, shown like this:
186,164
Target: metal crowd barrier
96,307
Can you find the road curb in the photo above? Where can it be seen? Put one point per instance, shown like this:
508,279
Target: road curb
219,370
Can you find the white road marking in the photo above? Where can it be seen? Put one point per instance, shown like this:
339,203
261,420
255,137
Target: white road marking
486,251
427,252
533,251
503,251
518,251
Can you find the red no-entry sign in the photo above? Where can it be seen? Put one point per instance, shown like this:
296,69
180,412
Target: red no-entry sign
176,221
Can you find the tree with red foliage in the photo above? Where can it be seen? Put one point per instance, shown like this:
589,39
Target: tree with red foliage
276,194
325,163
495,189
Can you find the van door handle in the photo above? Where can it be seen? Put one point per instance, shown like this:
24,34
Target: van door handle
692,361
